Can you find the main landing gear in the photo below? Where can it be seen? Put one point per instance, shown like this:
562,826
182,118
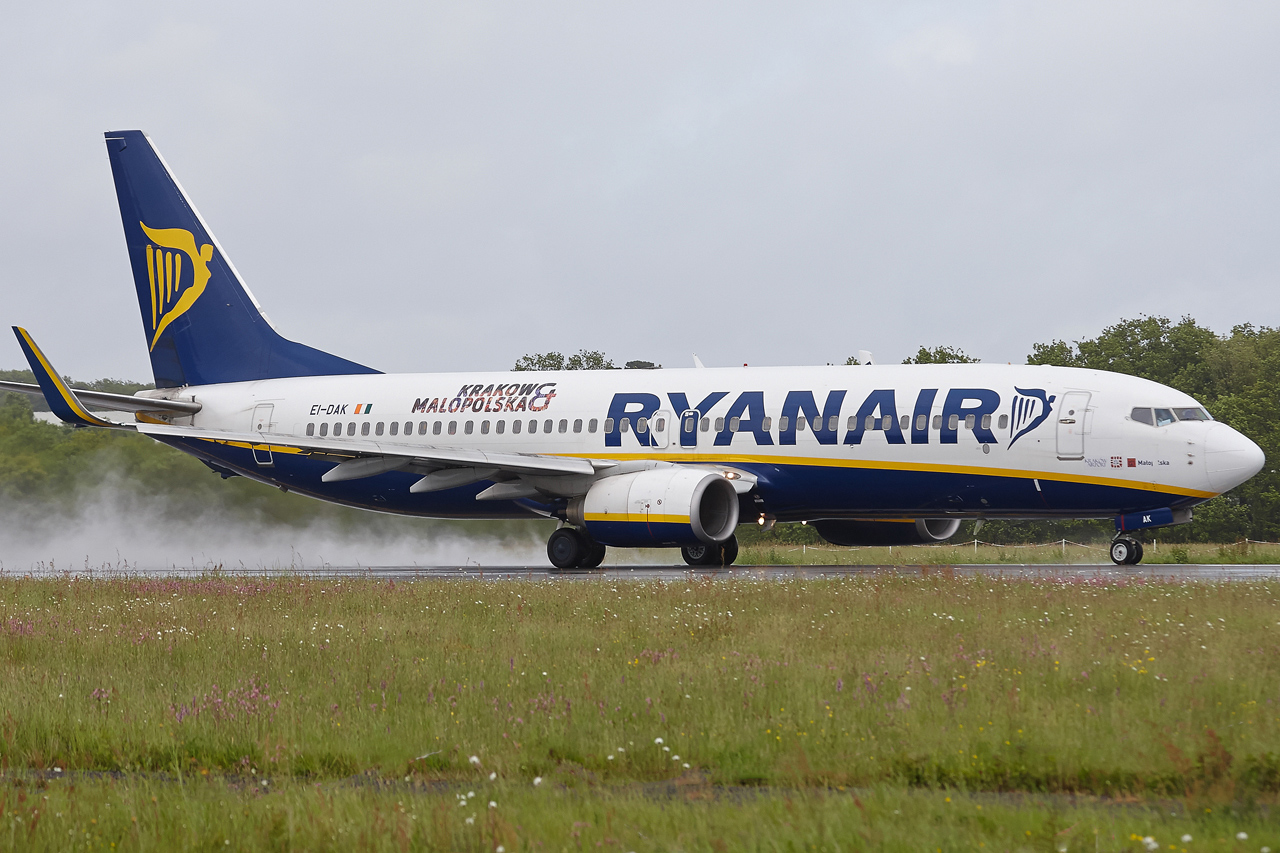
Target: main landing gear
568,548
711,555
1126,551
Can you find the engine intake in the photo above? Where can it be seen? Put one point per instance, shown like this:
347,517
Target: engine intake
659,507
917,532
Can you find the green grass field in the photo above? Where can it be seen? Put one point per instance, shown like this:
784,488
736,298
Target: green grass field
833,714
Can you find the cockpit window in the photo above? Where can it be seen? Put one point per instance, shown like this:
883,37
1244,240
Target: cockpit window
1142,416
1164,417
1192,413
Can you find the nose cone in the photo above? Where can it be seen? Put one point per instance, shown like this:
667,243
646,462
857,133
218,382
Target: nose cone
1230,458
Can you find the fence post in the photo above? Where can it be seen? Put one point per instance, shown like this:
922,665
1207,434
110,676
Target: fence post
1064,550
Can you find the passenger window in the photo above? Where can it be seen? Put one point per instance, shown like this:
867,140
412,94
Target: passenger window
484,427
690,424
608,424
591,426
564,426
767,423
453,427
501,427
311,429
953,422
422,428
468,427
642,425
337,430
869,422
577,425
324,430
351,428
435,428
922,423
937,421
833,423
783,423
515,427
364,428
986,421
801,423
733,424
624,424
1164,417
719,424
1004,421
395,428
377,430
970,421
817,423
659,426
906,422
408,427
533,426
886,423
706,424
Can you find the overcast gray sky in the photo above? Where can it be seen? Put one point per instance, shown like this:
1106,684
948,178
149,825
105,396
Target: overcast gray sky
427,186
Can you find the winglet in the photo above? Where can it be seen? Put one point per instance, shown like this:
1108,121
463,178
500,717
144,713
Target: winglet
61,399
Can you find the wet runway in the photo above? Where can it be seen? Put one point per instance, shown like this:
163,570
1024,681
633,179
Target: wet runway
1044,571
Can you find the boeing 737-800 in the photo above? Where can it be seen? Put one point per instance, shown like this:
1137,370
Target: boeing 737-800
636,458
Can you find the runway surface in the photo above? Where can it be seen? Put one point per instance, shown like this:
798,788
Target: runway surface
1045,571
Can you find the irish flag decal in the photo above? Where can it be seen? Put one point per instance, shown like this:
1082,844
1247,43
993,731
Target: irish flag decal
364,408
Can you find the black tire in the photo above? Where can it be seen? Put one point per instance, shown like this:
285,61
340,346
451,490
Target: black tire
1125,551
566,548
594,555
728,551
700,555
1138,556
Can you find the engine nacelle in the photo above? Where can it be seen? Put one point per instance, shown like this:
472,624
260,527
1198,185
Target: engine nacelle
659,507
918,532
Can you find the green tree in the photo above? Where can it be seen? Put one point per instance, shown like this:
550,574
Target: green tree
581,360
941,355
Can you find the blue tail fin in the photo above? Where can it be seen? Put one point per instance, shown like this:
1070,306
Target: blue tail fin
202,324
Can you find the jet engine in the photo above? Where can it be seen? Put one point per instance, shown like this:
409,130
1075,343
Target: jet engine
917,532
658,507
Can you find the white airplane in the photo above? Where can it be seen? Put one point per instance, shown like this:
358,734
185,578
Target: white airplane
637,458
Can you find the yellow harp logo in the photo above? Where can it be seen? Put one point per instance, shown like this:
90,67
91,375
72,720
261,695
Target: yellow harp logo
170,296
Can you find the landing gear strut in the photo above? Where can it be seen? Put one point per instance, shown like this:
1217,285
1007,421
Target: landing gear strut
1126,551
570,549
711,555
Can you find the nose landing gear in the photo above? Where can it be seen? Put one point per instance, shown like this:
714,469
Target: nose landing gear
568,548
1126,551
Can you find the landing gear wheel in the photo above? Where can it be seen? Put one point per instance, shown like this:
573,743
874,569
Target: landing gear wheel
594,555
728,551
701,554
566,548
1126,551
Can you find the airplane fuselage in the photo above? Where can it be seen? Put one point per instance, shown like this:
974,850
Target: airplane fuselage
990,441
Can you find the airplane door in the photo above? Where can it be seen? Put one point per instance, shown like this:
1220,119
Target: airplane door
688,429
1071,424
661,427
262,423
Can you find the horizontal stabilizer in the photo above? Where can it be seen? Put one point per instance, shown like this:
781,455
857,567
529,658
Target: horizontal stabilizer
112,402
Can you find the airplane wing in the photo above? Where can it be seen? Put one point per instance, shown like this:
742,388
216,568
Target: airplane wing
356,458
